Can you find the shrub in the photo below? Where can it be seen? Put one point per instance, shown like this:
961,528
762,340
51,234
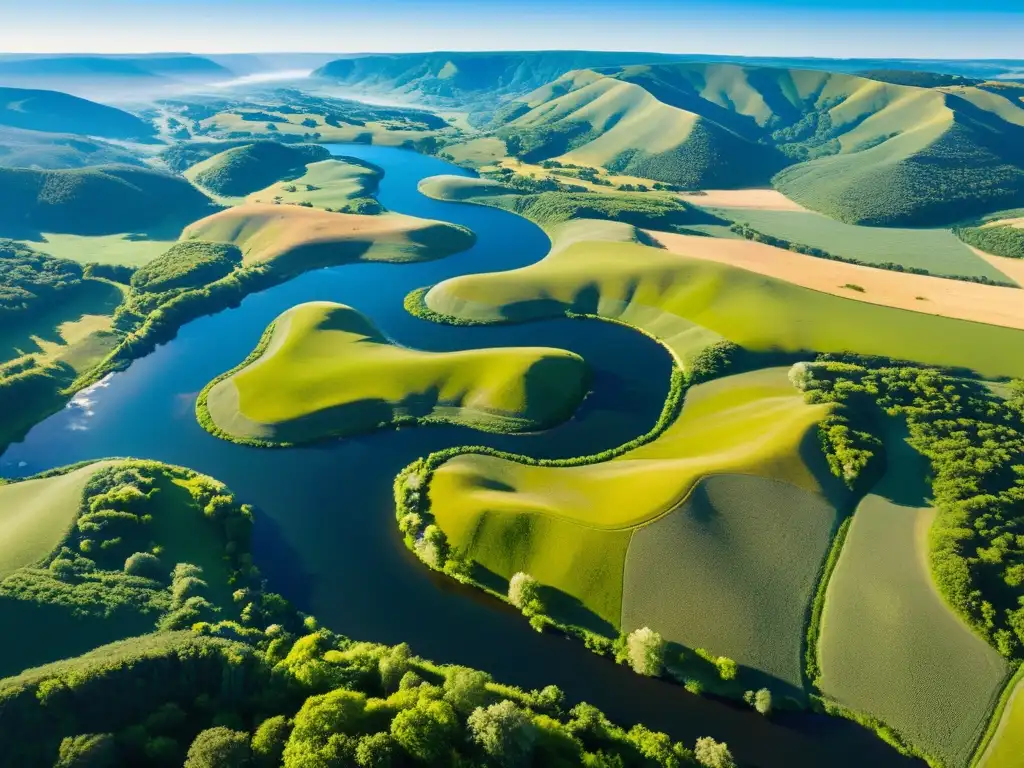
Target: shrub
524,593
713,754
144,564
505,732
646,651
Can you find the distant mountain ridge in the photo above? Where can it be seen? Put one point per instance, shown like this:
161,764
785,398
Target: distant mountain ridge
77,66
860,150
56,112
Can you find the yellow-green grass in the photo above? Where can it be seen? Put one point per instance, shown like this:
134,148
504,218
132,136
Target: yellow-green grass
35,515
76,329
566,525
937,250
889,644
1006,747
664,292
336,183
327,371
461,188
291,238
733,570
478,152
128,249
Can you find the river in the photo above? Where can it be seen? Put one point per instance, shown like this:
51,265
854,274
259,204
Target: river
325,535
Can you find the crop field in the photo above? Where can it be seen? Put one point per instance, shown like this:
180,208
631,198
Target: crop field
132,250
326,184
328,371
36,514
748,423
294,238
627,282
732,570
73,329
743,199
889,644
937,250
1007,744
996,305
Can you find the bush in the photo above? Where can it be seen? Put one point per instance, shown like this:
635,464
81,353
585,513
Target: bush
646,651
144,564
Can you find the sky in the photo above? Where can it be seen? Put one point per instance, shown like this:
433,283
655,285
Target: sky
825,28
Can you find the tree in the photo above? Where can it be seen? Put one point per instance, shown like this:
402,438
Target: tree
393,666
90,750
313,741
763,701
144,564
713,754
646,651
425,731
505,731
269,740
727,668
219,748
466,689
375,751
524,593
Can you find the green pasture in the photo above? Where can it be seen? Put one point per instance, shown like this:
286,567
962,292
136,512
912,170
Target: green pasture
127,249
1006,748
638,284
325,184
732,570
889,645
327,371
937,250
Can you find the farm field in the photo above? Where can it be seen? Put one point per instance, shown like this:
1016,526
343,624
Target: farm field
327,371
75,329
292,238
627,282
936,250
995,305
889,644
732,570
743,199
129,249
499,509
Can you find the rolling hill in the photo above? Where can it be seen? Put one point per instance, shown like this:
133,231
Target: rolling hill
857,149
56,112
94,201
245,169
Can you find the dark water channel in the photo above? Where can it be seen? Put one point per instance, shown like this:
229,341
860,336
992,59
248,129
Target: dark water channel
325,535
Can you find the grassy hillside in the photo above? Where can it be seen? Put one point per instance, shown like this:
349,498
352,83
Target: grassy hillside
290,238
658,290
325,370
99,553
189,264
345,185
251,167
94,201
564,524
55,112
858,149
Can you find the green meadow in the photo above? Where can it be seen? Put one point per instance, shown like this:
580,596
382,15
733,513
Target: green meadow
329,184
325,370
937,250
1006,745
127,249
638,284
565,524
889,645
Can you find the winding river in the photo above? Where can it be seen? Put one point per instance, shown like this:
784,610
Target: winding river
325,535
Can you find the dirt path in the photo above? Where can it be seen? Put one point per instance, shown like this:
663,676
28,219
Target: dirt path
994,305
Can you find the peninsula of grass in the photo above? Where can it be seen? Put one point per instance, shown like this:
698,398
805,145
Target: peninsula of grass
341,184
241,170
651,288
112,549
324,371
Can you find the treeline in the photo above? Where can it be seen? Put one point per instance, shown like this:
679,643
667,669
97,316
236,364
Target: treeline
757,236
30,280
1000,240
974,441
189,264
231,696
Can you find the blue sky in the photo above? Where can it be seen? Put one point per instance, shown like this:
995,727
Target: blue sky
834,28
